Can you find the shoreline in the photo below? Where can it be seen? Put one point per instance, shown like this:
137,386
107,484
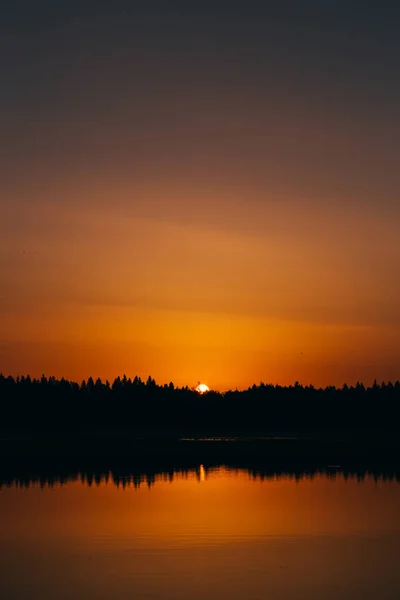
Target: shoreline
57,457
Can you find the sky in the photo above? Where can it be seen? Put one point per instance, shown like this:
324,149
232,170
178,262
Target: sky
200,191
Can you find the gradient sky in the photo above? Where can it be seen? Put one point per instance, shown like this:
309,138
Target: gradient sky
200,190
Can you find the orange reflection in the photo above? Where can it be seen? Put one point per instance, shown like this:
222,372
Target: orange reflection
228,505
231,537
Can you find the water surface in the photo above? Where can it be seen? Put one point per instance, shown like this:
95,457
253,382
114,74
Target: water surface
215,533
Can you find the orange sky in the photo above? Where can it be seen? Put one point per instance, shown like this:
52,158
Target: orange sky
228,213
303,294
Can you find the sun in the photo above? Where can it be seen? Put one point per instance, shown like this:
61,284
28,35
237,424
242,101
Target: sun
202,388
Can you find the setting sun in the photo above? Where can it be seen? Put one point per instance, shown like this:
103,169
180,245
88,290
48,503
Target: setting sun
202,388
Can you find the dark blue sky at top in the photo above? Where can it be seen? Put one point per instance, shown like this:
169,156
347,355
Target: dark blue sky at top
332,46
141,66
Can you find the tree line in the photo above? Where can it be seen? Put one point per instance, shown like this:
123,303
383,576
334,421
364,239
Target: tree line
127,404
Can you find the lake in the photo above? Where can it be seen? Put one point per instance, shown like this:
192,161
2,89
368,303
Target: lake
213,533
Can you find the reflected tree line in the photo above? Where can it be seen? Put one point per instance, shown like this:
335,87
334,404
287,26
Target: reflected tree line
150,477
50,403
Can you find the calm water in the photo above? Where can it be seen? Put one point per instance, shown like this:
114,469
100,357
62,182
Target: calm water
217,534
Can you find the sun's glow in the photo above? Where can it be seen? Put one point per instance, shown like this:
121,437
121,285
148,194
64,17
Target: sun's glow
202,388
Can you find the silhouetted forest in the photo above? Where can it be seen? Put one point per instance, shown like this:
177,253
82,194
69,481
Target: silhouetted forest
50,404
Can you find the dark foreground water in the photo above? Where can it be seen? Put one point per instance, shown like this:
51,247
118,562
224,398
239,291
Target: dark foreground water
217,534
